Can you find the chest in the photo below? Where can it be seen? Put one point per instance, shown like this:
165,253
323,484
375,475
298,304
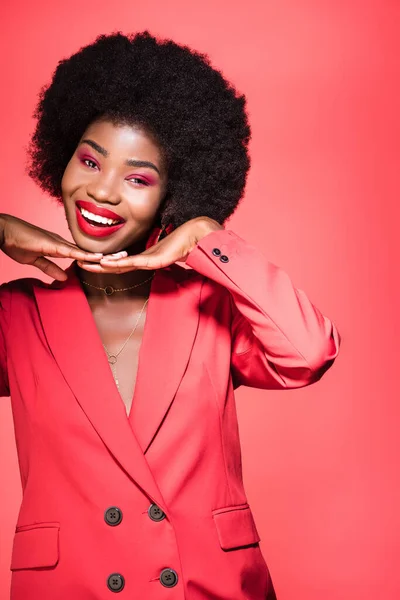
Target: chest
121,332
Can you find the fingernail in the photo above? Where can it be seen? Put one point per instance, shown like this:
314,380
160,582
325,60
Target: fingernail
98,253
116,255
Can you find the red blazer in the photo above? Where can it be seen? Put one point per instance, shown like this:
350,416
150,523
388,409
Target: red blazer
151,506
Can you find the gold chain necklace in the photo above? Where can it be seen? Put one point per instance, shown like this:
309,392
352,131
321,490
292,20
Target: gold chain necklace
109,289
112,358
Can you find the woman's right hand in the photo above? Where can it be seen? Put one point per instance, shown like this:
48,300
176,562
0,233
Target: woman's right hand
29,244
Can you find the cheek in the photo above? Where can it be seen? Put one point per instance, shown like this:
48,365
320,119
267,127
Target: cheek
72,178
67,179
145,203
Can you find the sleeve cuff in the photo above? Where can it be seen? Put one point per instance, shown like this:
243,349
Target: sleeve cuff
222,247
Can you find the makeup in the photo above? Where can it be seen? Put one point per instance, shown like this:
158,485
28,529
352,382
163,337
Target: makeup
95,229
143,179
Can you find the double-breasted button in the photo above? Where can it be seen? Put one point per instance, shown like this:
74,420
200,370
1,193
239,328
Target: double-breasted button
113,516
155,513
224,258
115,582
216,251
169,577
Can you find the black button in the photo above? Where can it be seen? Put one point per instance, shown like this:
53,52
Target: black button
155,513
115,582
113,516
216,251
224,258
169,577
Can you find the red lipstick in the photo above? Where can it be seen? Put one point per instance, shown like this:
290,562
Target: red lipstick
95,229
102,212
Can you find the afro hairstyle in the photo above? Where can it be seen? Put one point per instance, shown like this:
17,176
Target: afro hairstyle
196,116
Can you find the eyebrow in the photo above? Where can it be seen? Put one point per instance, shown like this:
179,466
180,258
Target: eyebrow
130,162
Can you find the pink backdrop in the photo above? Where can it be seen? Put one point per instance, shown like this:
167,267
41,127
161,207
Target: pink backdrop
320,463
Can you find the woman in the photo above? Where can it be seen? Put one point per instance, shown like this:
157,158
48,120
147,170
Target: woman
131,470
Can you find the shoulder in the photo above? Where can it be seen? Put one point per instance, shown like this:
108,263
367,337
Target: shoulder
19,289
22,285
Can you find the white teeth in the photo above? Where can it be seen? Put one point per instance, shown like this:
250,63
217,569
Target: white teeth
97,218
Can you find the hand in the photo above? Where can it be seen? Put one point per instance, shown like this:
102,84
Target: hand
28,244
175,247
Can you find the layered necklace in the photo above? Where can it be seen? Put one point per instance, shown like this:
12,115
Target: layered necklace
109,290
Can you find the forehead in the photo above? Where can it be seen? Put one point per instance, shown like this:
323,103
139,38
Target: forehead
123,141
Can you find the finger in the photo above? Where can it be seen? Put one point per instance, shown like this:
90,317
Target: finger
69,244
111,268
138,261
121,254
50,268
67,251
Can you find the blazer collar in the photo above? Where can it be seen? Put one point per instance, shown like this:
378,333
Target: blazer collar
169,331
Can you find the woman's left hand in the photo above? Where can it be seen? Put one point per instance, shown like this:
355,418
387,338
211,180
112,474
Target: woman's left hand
173,248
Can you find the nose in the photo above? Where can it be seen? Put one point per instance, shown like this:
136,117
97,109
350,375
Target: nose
104,188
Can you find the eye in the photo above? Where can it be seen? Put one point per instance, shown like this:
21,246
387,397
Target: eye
88,160
138,181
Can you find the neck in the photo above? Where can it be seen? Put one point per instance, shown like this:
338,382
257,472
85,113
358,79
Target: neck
117,281
92,281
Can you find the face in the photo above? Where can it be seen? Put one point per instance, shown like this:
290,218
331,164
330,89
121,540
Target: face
112,188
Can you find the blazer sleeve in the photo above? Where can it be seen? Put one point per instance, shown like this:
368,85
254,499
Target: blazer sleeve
4,320
280,340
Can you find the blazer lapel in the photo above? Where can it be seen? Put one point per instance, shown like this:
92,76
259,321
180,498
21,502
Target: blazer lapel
76,346
171,323
170,329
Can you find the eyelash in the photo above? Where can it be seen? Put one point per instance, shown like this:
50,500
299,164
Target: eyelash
141,181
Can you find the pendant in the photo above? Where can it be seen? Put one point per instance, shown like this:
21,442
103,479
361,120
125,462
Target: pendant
114,371
109,290
112,359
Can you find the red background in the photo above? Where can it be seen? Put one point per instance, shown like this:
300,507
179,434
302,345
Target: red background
321,78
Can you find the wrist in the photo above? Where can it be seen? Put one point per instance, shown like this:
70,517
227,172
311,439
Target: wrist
206,225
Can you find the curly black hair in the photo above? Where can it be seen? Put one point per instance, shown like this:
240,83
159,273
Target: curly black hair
173,92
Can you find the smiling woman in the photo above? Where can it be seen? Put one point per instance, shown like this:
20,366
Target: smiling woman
167,91
125,379
114,182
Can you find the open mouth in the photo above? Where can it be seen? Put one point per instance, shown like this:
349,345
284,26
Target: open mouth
98,221
97,226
